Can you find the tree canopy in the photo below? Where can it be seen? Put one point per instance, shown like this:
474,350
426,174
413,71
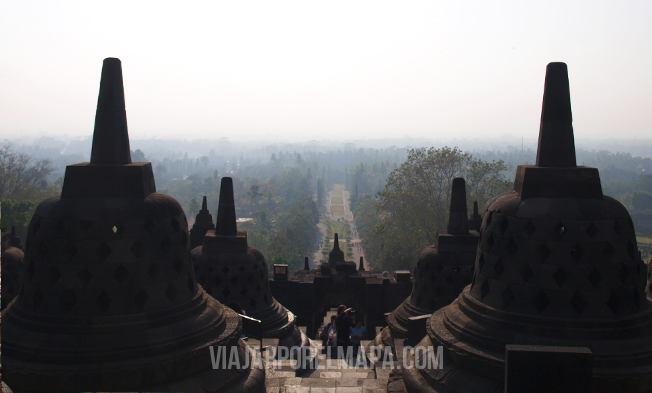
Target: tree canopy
413,206
22,177
23,184
418,192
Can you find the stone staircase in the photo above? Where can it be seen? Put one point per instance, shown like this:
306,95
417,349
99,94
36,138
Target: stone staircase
328,375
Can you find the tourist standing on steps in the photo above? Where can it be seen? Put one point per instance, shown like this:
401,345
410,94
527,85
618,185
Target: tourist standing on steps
343,323
357,334
328,334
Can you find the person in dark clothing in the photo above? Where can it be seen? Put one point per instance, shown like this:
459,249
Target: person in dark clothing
343,323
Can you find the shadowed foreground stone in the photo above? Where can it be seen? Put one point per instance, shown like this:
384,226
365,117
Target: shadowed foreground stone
232,271
109,300
442,270
556,266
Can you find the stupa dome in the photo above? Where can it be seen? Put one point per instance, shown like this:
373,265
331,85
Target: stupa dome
442,270
109,300
558,265
232,271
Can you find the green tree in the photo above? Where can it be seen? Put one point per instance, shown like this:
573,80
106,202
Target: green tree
23,184
644,183
413,206
642,200
18,214
22,177
138,156
193,206
160,170
320,192
254,194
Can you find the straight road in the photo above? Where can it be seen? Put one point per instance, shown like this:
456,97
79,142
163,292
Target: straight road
347,218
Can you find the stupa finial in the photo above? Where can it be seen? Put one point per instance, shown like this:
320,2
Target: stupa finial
458,223
226,225
336,243
556,141
204,204
111,137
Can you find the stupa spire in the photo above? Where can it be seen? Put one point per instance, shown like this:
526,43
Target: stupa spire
458,223
204,205
336,255
226,225
556,141
111,137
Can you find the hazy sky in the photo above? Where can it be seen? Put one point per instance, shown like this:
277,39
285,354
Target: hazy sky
325,70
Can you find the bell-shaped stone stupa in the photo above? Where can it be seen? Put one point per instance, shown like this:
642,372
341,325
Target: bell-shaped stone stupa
336,254
557,266
109,300
475,221
442,271
203,223
232,271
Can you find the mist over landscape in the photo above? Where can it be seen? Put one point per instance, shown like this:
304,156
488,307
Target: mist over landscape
466,185
272,178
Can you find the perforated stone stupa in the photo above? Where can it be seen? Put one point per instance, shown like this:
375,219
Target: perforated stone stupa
475,221
232,271
109,300
557,265
203,223
336,254
442,271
